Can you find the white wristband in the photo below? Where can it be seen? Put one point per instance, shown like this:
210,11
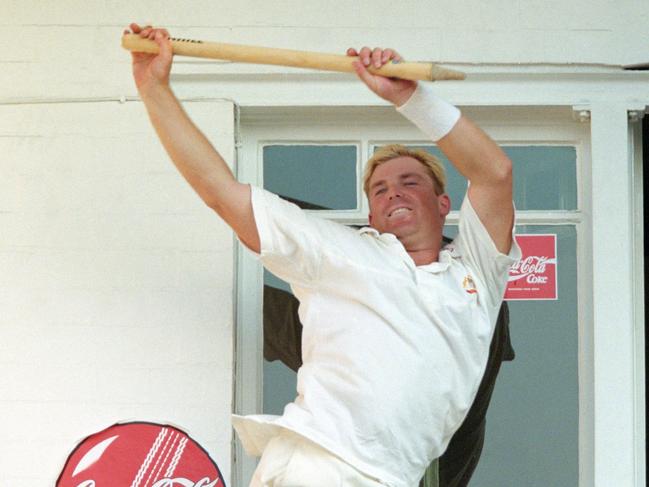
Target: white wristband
434,116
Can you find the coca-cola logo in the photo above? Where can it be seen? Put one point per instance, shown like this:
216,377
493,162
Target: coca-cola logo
185,483
181,482
140,455
534,276
531,268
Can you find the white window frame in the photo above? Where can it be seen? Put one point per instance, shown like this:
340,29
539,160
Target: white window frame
508,126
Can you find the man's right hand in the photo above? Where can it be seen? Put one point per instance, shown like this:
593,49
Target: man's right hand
151,71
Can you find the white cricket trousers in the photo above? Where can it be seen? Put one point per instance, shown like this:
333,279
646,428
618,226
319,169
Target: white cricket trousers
291,460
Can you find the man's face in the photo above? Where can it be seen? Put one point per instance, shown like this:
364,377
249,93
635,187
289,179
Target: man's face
403,202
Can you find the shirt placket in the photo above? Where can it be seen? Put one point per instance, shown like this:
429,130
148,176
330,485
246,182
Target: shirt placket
397,248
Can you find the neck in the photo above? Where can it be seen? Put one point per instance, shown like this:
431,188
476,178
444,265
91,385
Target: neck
422,250
424,256
422,246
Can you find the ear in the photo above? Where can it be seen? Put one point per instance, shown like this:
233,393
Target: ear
444,203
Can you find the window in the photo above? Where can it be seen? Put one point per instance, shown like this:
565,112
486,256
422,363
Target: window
315,177
543,385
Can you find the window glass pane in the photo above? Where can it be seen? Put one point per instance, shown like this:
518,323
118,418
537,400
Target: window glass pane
545,177
313,176
540,387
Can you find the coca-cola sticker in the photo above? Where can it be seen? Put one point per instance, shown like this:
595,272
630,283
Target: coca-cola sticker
140,455
534,276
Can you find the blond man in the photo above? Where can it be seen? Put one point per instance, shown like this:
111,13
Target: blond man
385,309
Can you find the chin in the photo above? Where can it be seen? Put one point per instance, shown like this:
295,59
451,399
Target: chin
401,230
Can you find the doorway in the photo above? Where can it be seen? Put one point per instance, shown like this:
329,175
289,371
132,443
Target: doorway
535,422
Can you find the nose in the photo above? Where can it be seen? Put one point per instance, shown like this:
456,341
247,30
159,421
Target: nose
394,193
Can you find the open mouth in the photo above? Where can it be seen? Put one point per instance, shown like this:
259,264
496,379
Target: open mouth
399,211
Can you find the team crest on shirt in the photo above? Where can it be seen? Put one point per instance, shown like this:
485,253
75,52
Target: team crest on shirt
469,285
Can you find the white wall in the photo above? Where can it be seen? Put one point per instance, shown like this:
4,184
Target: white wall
71,48
115,280
115,285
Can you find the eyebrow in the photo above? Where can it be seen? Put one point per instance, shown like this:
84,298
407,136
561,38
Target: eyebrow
401,178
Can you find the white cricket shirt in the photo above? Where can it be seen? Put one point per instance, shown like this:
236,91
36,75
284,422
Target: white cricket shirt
393,353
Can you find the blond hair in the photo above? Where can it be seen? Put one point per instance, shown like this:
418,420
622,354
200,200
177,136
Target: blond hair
388,152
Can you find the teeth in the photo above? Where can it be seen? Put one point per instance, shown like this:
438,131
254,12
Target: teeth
399,210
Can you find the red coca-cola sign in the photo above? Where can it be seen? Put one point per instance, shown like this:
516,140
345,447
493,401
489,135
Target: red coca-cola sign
140,455
534,276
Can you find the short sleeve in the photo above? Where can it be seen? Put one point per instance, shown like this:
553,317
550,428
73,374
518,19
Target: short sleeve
480,253
291,240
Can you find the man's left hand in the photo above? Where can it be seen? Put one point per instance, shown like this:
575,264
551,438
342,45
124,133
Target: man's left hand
396,91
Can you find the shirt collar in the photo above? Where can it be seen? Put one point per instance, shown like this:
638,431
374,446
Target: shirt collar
385,237
446,254
442,264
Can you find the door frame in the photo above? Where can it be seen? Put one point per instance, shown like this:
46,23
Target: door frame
507,125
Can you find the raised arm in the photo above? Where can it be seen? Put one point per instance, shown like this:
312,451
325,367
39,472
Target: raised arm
473,153
196,159
489,171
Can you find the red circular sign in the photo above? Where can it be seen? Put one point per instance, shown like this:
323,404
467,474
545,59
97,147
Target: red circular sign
140,455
